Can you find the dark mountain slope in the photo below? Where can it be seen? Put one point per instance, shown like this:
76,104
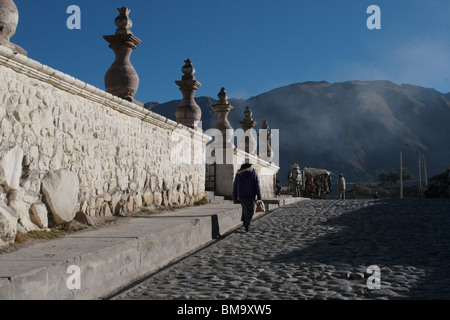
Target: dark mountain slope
355,127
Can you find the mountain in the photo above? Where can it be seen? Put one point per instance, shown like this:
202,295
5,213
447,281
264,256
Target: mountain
355,127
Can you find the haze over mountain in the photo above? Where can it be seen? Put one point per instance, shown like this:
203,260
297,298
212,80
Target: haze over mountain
355,127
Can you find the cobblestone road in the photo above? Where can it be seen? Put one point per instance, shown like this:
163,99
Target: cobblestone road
320,249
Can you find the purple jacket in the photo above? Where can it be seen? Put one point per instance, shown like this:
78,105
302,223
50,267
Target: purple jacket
246,184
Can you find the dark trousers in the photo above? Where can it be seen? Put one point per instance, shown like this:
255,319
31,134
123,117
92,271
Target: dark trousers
248,209
297,191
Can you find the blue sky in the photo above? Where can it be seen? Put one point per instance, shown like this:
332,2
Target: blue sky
247,46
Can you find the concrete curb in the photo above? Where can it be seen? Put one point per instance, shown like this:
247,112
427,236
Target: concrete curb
111,258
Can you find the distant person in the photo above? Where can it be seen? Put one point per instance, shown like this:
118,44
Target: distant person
290,186
297,180
309,185
246,188
341,186
376,196
278,188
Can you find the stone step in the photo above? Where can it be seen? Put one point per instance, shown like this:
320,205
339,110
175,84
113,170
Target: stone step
212,198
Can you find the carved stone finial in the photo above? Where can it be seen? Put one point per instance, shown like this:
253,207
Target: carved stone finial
248,142
268,153
188,112
9,19
223,98
222,109
123,21
248,114
122,79
188,68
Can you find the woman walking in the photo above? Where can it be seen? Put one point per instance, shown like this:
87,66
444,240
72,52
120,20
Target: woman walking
245,188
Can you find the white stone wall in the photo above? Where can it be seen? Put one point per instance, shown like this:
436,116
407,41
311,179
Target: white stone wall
124,156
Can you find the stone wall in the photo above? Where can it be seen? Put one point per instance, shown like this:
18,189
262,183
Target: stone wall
62,138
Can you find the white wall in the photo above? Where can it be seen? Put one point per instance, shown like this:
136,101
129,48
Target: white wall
120,152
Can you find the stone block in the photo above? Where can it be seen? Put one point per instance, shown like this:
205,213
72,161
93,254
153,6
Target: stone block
11,167
39,215
8,224
61,189
22,211
147,198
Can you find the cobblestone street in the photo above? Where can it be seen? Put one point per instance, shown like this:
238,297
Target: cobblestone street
319,249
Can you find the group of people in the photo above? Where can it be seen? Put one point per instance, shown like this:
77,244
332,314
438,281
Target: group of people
247,189
315,185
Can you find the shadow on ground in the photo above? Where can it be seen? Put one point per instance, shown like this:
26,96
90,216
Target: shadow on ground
400,235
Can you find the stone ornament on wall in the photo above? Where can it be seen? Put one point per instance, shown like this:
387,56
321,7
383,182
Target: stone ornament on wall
123,21
188,112
122,79
9,19
265,151
222,109
248,142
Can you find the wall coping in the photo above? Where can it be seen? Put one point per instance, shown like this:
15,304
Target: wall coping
255,159
29,67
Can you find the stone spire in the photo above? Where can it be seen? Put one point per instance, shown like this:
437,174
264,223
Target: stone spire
122,79
223,108
248,142
9,20
188,112
266,154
